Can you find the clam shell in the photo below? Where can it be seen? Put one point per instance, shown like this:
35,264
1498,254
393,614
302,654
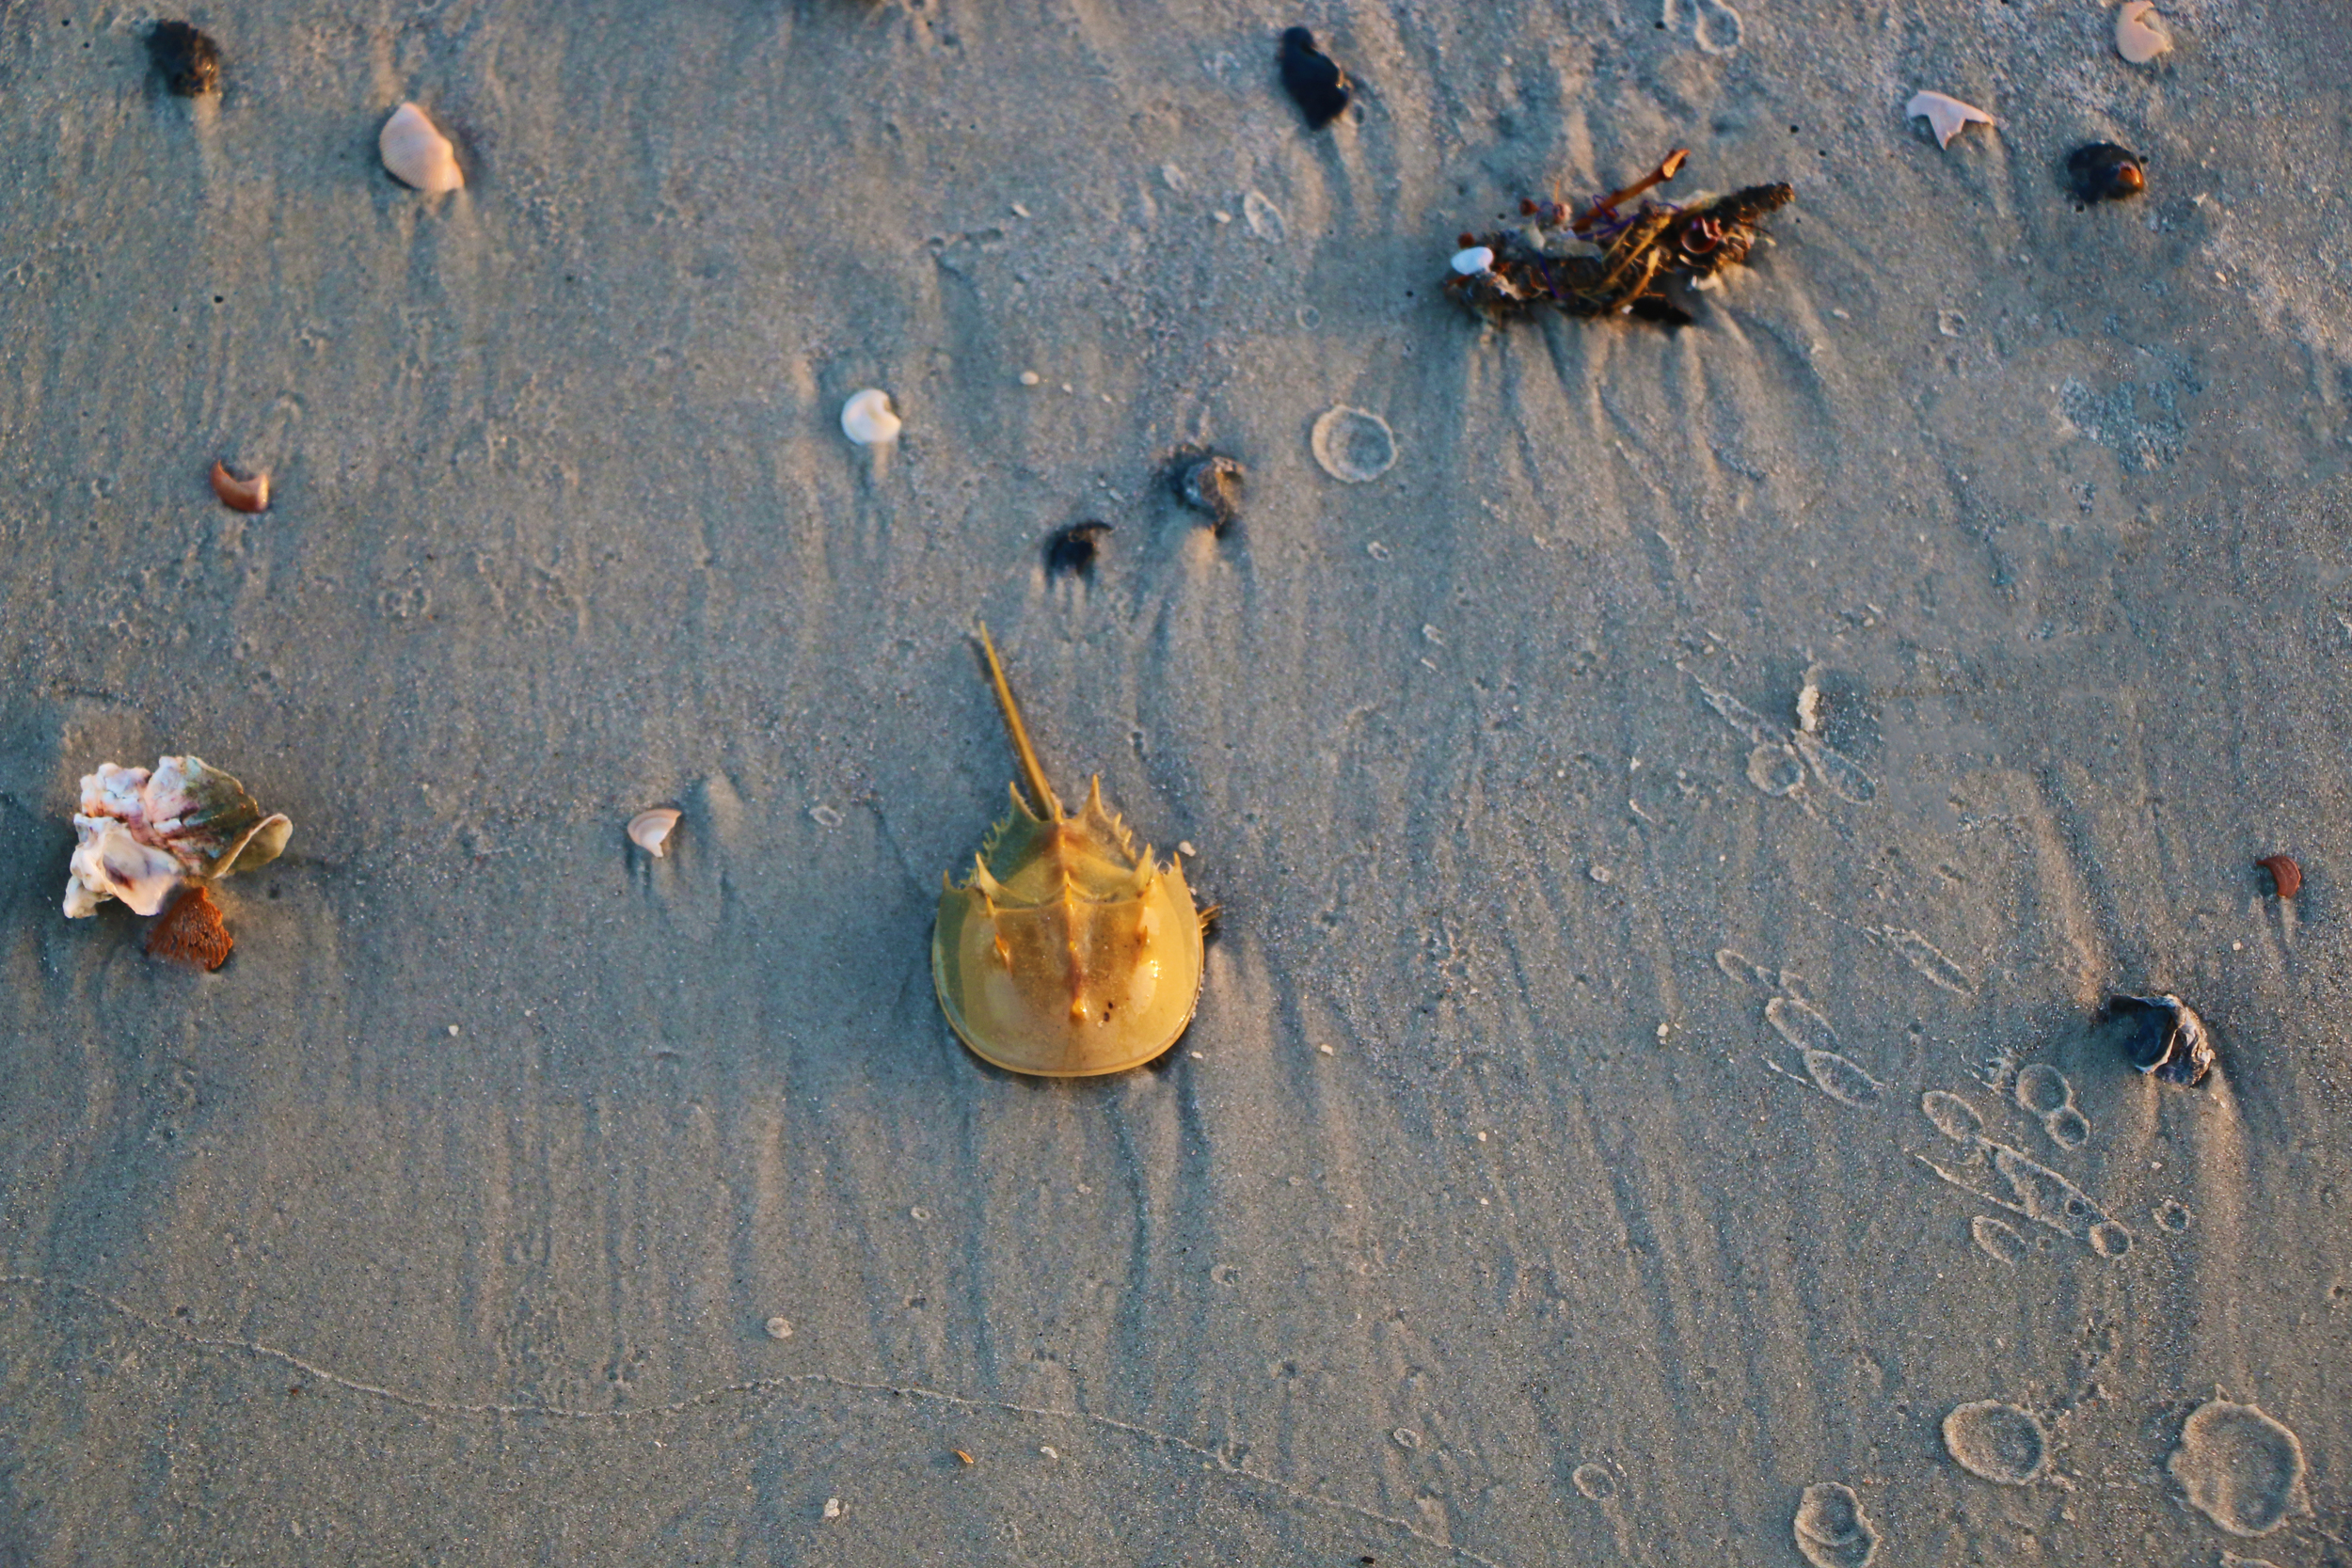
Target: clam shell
418,154
869,419
650,830
2140,33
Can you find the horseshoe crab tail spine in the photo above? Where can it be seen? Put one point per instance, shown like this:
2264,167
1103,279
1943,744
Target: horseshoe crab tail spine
1019,733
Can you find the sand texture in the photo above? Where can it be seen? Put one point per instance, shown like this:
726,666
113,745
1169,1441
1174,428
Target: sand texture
1622,1124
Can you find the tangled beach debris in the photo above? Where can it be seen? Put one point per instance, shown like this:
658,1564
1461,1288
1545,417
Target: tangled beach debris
1604,260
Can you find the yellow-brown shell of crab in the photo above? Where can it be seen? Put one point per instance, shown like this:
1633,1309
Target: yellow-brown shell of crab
1065,953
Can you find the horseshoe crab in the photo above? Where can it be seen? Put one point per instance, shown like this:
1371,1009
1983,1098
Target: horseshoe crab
1064,954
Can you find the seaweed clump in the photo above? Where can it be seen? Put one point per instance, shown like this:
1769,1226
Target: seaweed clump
1606,260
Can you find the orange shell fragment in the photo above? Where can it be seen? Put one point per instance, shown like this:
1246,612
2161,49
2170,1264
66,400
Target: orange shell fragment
191,932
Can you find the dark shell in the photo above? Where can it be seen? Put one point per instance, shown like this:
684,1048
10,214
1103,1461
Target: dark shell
1072,549
188,61
1210,485
2105,172
2165,1036
1313,79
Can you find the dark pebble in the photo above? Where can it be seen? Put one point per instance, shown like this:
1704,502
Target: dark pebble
1072,549
2105,172
1313,79
188,62
1210,485
2165,1036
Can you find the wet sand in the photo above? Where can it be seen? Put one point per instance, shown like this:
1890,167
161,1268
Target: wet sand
1618,1116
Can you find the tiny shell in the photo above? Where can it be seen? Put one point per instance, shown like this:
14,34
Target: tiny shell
240,495
1313,78
869,419
2104,172
1946,115
188,62
191,932
1072,549
418,154
2284,874
2140,33
1474,259
1210,483
650,830
2166,1038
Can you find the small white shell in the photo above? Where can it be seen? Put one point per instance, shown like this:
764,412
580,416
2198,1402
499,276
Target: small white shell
650,830
2141,34
418,154
869,419
1946,115
1477,258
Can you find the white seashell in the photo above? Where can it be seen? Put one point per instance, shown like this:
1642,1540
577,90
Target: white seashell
650,830
869,419
2140,33
1476,259
110,864
141,834
418,154
1946,115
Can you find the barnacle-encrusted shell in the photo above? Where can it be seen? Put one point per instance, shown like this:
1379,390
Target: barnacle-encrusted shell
650,830
142,833
1065,953
416,153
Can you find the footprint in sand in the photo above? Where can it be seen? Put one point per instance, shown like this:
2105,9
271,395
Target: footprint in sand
1998,1442
2043,1091
2242,1469
1829,1070
1830,1528
2009,1178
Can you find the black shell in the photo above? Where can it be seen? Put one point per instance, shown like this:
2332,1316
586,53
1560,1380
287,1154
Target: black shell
188,61
1313,79
2165,1036
2104,172
1075,547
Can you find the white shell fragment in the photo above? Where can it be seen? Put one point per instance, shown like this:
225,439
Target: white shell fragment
650,830
1478,259
418,154
2140,33
1946,115
140,835
869,419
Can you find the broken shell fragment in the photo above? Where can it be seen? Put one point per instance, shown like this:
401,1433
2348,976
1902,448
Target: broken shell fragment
2104,171
650,830
869,419
191,932
2140,33
1474,260
416,153
240,495
2285,876
2167,1039
142,833
1210,484
1072,549
1946,115
188,62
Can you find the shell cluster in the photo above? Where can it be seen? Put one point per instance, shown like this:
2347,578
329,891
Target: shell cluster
143,834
